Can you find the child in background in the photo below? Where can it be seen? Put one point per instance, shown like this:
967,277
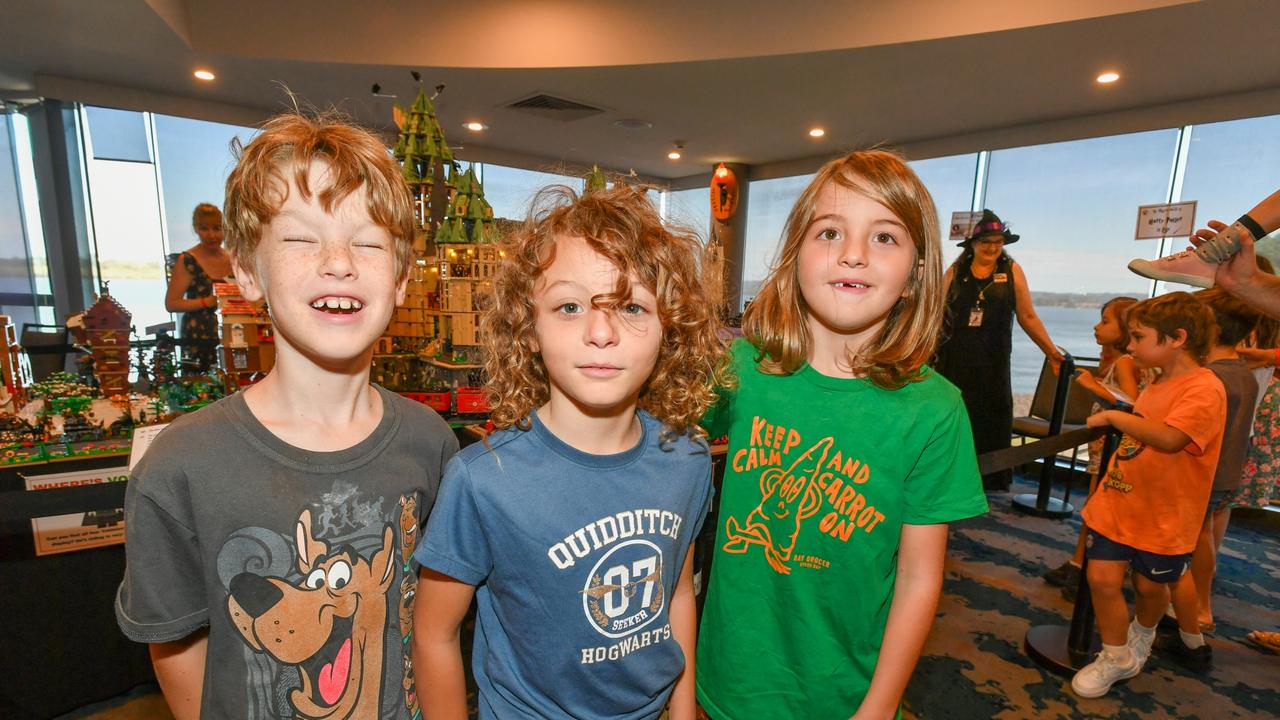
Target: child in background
1118,372
1262,465
1149,506
573,526
847,458
1235,322
270,533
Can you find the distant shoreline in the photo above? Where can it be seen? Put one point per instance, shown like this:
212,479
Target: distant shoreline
1079,300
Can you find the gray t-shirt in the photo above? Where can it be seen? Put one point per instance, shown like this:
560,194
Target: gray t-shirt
576,558
298,562
1242,394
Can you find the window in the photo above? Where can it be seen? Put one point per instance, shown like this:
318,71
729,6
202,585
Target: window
1230,167
146,173
1075,206
195,158
950,182
19,223
768,204
691,208
509,190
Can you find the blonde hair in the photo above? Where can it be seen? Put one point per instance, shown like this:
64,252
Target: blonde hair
621,225
205,210
775,322
357,160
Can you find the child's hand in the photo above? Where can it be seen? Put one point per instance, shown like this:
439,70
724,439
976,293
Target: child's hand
1258,357
1097,420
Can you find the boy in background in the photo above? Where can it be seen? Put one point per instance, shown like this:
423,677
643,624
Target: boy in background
270,533
1149,506
1235,320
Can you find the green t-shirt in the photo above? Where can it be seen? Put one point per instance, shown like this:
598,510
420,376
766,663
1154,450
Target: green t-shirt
820,476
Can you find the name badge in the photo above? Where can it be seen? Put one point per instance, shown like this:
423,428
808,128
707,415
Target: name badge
1001,277
975,317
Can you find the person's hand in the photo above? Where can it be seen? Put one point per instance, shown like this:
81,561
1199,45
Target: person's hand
1241,268
1055,362
1086,378
1097,420
1258,357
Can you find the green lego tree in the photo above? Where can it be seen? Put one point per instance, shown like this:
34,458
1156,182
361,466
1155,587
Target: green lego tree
426,162
470,217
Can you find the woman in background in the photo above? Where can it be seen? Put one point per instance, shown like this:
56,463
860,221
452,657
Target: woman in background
986,290
191,288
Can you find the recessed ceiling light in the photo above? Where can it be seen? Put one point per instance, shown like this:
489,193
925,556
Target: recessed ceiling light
1108,77
475,126
817,132
675,152
204,75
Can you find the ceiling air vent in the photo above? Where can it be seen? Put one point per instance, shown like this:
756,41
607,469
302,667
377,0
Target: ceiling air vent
554,108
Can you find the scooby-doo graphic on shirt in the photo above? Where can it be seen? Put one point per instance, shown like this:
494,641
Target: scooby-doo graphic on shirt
325,614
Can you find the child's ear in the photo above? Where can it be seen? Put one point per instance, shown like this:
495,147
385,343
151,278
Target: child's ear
1178,338
402,286
251,287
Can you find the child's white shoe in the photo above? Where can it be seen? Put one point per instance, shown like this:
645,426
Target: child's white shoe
1096,678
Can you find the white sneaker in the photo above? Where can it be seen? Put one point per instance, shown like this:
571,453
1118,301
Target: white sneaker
1140,644
1096,678
1183,267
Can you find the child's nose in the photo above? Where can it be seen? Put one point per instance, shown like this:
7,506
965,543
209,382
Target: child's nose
602,330
853,252
337,261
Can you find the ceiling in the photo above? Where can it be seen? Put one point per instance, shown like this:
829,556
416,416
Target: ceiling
734,81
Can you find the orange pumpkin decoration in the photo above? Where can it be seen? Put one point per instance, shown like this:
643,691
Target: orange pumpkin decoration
724,193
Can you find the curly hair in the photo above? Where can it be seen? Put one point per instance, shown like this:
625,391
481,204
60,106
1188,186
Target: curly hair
621,225
775,322
358,161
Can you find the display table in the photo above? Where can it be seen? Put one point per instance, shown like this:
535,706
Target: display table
63,649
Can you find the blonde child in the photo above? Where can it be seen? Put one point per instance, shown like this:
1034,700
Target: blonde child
270,533
572,526
1117,371
1149,506
847,457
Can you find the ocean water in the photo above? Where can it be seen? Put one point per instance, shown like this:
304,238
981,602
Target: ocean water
1071,329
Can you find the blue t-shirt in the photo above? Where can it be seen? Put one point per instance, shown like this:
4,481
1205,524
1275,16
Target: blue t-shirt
575,557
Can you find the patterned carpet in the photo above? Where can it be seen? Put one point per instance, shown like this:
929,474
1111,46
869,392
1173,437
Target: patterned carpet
974,667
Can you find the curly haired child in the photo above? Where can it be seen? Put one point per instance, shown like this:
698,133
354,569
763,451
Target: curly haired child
572,525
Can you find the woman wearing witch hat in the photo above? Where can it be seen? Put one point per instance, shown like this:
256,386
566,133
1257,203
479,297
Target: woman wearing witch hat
986,290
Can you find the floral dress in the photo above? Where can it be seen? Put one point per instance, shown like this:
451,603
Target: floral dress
199,324
1262,466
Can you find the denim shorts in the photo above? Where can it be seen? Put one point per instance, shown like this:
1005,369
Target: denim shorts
1153,566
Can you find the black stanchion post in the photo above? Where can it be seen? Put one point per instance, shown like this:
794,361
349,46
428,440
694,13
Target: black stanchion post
1041,504
1065,649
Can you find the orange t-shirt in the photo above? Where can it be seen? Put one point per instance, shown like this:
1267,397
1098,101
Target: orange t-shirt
1156,501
